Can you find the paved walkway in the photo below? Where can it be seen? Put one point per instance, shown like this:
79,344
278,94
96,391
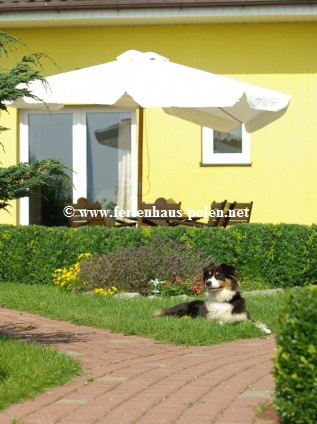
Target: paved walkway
131,380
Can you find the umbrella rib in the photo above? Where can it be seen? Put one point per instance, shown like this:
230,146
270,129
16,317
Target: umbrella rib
229,114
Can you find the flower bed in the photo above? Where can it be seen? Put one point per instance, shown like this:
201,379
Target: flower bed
189,286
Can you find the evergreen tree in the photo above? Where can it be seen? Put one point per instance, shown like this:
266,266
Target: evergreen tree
20,180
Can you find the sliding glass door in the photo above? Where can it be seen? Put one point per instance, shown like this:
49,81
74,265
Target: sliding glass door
98,145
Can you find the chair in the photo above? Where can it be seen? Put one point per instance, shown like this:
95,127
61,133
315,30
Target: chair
220,212
225,213
217,220
94,217
156,208
239,215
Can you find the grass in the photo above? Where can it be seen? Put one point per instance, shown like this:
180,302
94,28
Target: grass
262,406
29,368
133,316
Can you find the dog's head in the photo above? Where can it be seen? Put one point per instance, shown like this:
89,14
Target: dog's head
220,276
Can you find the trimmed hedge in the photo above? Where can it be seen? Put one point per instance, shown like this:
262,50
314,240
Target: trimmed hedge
280,255
296,359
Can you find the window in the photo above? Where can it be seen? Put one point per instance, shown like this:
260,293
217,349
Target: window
219,148
98,144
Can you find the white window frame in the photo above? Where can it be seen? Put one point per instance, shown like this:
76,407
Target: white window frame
211,158
79,151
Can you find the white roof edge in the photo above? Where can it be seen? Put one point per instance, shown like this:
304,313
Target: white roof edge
163,16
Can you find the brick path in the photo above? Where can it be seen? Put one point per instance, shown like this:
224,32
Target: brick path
136,381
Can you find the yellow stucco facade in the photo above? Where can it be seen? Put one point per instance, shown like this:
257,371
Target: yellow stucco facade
282,179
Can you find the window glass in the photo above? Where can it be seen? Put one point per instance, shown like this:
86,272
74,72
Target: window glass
230,142
109,158
50,136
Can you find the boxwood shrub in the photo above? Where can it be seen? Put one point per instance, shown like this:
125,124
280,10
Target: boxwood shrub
296,359
279,255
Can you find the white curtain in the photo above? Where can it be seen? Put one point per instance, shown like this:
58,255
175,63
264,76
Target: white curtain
124,165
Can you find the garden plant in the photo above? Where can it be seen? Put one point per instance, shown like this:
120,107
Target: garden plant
296,358
266,255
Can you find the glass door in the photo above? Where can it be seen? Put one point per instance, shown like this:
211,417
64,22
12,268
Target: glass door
98,144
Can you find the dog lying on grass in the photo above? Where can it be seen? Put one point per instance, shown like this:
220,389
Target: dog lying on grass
224,301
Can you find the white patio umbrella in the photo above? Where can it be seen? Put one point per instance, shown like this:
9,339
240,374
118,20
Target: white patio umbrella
146,80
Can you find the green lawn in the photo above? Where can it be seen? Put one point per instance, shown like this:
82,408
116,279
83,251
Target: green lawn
133,316
29,368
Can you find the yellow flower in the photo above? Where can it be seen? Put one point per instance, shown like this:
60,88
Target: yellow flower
84,255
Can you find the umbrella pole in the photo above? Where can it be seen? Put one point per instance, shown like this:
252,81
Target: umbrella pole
140,161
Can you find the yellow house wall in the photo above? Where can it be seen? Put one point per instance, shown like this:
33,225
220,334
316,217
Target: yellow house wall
283,177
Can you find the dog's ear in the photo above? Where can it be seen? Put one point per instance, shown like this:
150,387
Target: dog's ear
228,269
208,270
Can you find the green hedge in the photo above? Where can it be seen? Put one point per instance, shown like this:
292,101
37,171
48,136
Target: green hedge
296,359
280,255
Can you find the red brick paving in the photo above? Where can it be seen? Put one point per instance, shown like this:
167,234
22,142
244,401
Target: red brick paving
131,380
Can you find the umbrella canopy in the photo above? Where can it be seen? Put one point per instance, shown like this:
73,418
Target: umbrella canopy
150,80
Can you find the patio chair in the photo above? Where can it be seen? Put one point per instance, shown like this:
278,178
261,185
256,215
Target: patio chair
220,210
238,215
218,220
93,218
160,204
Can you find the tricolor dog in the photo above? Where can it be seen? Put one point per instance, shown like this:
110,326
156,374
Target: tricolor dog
224,301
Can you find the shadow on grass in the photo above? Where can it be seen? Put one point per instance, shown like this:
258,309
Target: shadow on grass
27,334
3,375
